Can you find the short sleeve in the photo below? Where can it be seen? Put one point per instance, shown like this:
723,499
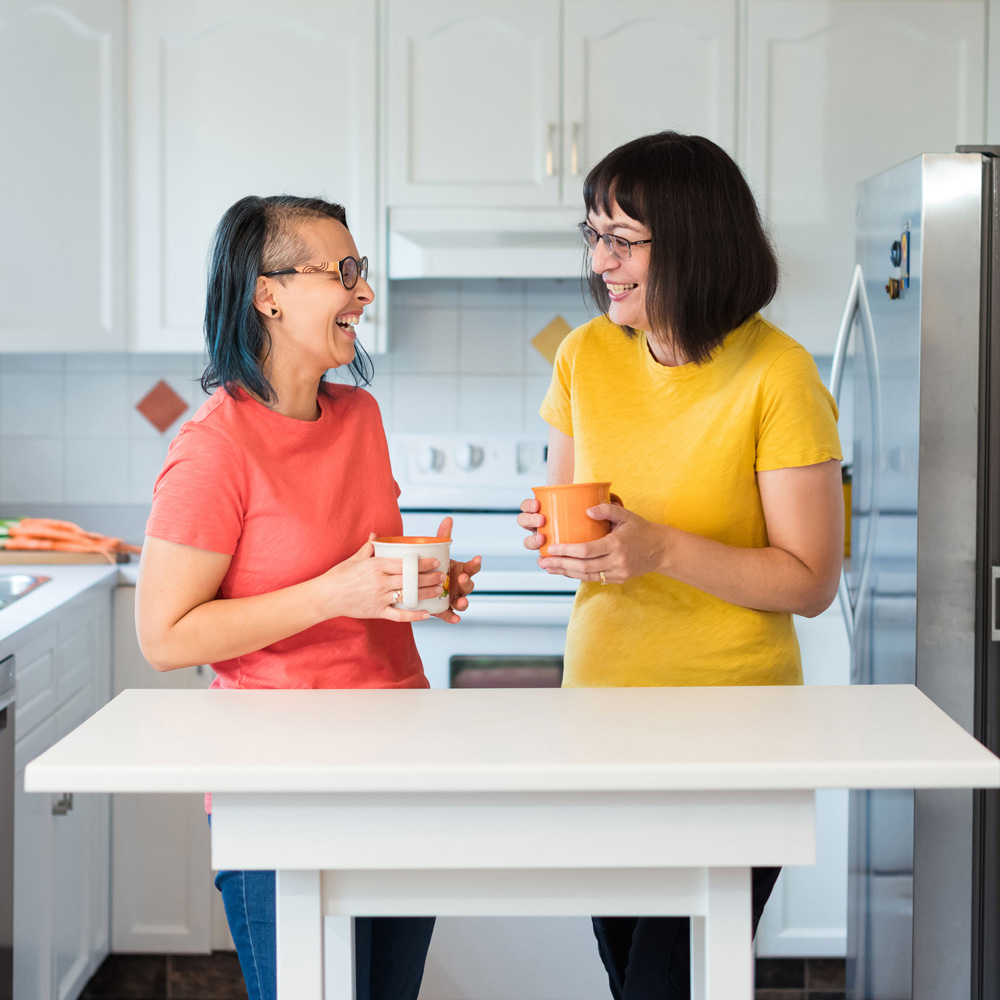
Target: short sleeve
557,408
798,417
198,498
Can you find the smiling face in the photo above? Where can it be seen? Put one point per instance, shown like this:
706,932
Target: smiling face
315,317
625,280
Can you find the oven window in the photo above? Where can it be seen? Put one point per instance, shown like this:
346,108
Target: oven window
506,671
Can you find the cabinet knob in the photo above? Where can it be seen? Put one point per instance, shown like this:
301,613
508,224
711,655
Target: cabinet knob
63,805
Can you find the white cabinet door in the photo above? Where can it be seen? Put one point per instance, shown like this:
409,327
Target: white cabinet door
472,102
34,877
161,883
642,67
838,91
240,97
62,173
73,857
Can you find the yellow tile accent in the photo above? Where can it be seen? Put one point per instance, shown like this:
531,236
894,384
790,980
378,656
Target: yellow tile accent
550,337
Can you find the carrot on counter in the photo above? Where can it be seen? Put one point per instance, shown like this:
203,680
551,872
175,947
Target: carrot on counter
50,534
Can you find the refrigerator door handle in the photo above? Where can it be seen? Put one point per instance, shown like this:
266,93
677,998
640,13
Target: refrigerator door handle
857,307
836,378
993,603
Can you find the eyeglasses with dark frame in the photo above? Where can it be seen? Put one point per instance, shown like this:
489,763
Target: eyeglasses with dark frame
619,247
348,269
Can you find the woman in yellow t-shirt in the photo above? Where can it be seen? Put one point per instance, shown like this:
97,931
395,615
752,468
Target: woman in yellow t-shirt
715,430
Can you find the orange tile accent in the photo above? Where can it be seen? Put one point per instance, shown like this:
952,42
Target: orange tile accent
161,406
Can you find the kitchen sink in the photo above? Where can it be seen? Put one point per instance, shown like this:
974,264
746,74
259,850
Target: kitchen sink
15,585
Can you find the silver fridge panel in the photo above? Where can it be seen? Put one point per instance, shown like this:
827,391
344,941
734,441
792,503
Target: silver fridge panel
913,854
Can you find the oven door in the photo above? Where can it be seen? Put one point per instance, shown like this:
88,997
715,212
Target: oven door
505,632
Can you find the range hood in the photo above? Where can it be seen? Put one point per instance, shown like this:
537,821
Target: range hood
485,243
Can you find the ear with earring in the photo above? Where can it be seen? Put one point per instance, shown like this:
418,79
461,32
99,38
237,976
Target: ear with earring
274,312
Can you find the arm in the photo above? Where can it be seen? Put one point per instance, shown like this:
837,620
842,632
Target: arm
181,621
796,572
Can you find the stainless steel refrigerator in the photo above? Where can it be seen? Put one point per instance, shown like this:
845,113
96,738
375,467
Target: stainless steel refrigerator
918,366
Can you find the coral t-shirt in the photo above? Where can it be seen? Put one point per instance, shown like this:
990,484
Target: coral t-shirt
288,499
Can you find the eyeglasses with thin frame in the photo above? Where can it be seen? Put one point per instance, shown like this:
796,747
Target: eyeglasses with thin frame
348,269
617,246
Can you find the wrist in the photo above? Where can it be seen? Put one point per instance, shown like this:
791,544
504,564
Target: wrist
667,550
321,597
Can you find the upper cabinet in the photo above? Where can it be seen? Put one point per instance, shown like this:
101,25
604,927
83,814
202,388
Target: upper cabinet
510,103
239,97
838,91
630,69
472,106
62,176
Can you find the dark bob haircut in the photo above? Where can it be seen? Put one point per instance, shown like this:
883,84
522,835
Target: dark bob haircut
711,265
256,235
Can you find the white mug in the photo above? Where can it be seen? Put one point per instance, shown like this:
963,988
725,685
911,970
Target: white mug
411,549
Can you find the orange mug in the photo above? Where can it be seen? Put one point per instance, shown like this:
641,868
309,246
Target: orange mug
565,511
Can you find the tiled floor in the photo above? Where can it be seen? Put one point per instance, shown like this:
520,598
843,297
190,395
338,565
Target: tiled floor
217,977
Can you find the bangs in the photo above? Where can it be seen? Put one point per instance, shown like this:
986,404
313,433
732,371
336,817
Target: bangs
618,180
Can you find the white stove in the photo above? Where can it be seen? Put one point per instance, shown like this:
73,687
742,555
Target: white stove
518,613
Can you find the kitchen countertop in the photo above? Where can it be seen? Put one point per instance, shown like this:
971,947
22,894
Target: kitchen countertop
65,583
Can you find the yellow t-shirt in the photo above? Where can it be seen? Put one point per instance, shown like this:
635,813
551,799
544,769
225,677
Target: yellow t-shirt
682,446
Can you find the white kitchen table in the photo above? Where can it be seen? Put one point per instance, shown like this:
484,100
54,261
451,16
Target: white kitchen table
513,802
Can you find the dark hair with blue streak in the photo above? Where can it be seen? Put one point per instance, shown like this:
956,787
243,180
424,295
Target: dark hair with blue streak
257,235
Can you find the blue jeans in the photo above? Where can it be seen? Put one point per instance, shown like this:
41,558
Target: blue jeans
389,952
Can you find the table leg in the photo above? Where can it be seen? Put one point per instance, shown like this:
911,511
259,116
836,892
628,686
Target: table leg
299,936
339,948
726,969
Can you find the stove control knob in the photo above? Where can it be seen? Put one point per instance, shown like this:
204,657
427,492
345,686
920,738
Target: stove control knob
468,457
429,459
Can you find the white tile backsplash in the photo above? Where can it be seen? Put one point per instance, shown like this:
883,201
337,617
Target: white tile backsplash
491,403
95,405
460,359
146,459
424,341
423,403
32,468
97,470
492,342
31,404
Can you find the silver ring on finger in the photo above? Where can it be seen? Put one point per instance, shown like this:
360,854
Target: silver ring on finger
395,597
604,579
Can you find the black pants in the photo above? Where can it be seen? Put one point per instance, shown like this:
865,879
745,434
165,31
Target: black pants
649,958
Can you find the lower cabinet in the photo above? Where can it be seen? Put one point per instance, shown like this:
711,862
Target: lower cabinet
61,842
162,897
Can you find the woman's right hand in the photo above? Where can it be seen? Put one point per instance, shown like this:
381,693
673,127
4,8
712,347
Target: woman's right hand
366,586
531,520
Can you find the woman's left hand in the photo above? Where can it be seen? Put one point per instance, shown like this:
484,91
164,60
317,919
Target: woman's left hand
632,548
460,576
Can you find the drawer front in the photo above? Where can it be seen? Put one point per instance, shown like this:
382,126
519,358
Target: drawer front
35,671
77,652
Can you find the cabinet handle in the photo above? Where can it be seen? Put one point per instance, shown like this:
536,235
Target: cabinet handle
574,154
550,156
63,805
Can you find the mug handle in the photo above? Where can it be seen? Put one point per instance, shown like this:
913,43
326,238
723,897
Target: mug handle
617,500
411,564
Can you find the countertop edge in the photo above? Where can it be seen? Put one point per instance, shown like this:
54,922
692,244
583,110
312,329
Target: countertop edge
66,582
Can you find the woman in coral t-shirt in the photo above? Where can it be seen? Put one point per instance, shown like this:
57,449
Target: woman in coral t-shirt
258,556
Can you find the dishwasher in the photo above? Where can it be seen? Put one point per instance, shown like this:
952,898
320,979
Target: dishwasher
7,828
